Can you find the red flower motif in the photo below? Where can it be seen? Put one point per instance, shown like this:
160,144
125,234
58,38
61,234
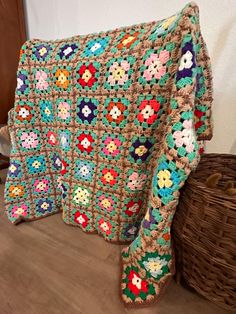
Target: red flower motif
136,284
109,176
198,114
133,208
105,226
85,142
149,111
81,219
52,138
64,166
87,75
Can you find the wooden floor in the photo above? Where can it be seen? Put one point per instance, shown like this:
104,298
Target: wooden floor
47,267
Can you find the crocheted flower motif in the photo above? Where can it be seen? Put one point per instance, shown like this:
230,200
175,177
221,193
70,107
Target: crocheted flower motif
41,52
152,219
109,176
56,161
130,231
64,167
21,210
128,40
46,111
155,265
199,118
106,202
41,185
15,190
44,206
29,140
155,64
167,179
155,67
51,138
111,146
135,180
63,106
115,113
86,110
149,111
96,47
87,75
183,138
132,207
84,170
81,219
141,149
62,78
135,286
24,112
119,73
36,164
85,142
105,226
64,139
14,170
22,87
81,196
187,65
41,80
163,27
67,51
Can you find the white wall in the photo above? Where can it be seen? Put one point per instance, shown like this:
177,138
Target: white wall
51,19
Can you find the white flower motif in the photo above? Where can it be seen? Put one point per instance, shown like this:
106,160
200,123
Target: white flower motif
95,47
186,61
19,83
136,281
115,112
85,143
147,112
23,112
86,111
104,226
67,51
84,170
154,265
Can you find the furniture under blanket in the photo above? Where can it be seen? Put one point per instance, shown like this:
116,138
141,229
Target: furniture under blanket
105,128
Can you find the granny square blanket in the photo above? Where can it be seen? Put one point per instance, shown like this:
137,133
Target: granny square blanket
105,128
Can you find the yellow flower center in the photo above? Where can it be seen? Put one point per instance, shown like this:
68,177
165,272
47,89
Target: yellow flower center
118,73
62,78
111,147
108,177
106,203
141,150
86,76
154,266
36,164
20,210
42,51
128,40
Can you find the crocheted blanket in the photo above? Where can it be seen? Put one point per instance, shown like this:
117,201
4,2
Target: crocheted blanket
105,128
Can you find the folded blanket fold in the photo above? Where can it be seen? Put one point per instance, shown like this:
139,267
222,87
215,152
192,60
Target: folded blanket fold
105,128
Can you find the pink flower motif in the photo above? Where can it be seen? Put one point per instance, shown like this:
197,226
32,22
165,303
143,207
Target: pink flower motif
185,137
41,185
19,210
111,146
63,110
118,73
29,140
106,203
136,181
156,65
41,77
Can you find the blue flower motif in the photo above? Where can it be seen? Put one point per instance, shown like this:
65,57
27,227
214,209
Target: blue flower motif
64,138
46,111
56,162
67,51
44,205
36,164
41,52
96,47
84,170
14,170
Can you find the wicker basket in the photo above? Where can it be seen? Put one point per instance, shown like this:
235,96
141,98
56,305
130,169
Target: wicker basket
204,232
